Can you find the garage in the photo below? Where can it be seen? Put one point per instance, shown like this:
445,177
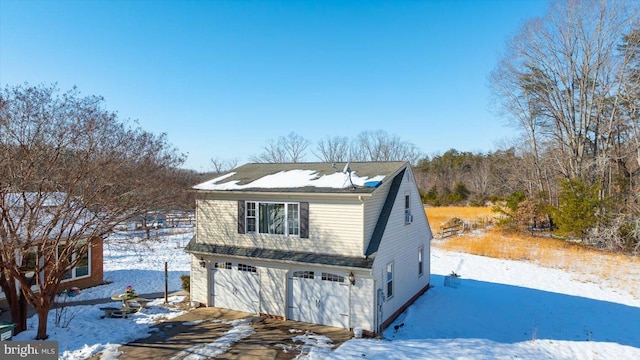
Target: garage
235,286
320,298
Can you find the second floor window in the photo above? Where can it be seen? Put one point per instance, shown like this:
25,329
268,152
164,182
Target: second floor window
272,218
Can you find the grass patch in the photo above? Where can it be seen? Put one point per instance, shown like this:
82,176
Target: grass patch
587,264
439,215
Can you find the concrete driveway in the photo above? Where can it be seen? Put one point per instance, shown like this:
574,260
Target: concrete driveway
271,339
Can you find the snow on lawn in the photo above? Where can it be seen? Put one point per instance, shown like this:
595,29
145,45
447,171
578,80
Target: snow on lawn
501,310
504,310
83,333
130,261
127,261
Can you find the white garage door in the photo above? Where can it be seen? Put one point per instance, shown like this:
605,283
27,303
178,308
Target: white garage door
236,287
319,298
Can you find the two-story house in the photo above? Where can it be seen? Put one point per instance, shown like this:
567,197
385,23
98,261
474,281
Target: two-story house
344,245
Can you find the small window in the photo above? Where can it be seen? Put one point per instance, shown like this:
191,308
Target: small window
332,277
303,274
81,269
222,265
408,218
251,217
420,257
249,268
29,261
389,280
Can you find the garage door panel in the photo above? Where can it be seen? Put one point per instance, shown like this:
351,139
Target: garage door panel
236,289
320,298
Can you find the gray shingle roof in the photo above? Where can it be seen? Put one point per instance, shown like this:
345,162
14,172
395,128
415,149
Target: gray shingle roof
239,179
281,255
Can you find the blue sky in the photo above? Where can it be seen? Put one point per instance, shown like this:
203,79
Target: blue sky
221,78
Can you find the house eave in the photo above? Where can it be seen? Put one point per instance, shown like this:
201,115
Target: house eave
281,256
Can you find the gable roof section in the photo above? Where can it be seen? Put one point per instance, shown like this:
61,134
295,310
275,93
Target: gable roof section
304,177
383,219
280,255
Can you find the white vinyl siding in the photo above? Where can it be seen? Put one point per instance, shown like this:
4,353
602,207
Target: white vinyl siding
199,290
335,227
399,245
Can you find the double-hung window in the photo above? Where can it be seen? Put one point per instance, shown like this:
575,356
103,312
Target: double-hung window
273,218
420,260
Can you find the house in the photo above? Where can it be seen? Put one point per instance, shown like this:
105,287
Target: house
40,216
344,245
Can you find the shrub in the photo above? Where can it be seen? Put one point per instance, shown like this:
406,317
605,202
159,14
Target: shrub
186,282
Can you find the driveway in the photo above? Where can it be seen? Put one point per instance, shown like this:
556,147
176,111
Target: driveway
227,334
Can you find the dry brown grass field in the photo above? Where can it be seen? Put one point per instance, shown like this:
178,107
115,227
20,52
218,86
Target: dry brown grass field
587,263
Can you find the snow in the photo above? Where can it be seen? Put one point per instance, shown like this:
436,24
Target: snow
127,261
290,179
240,329
508,309
501,310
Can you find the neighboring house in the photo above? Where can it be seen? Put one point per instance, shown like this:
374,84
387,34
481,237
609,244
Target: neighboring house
89,270
345,246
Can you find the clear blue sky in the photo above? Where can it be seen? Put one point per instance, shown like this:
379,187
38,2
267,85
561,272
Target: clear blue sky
221,78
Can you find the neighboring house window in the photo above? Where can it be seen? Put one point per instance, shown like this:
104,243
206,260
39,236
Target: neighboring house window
389,280
249,268
420,257
408,218
29,262
273,218
82,267
332,277
303,274
222,265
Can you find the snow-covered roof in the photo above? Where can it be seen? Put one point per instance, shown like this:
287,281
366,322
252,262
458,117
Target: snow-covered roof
359,177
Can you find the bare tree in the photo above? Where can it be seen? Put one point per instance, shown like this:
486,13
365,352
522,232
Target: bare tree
290,148
223,165
380,146
333,149
70,172
561,75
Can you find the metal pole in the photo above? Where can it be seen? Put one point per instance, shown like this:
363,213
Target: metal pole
166,283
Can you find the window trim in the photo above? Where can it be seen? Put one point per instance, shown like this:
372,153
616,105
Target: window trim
288,230
389,291
74,269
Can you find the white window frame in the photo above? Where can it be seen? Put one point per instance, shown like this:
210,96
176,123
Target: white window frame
420,261
389,290
408,218
289,230
73,270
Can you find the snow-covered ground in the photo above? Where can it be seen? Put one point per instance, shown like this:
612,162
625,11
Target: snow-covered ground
506,310
501,310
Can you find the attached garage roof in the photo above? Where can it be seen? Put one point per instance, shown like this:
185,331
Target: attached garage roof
359,177
281,255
